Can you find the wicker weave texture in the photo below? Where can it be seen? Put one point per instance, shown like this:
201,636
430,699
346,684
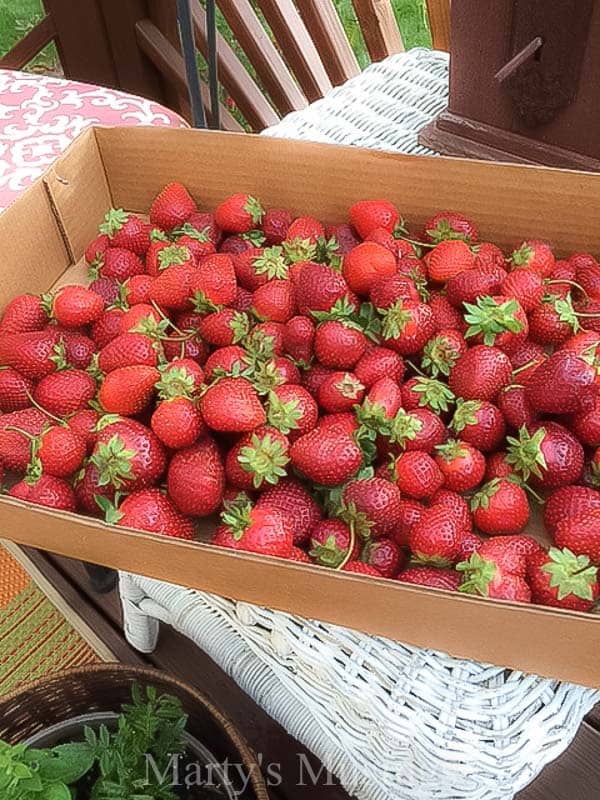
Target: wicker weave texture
393,722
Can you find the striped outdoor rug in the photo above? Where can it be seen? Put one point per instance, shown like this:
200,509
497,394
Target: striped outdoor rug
36,639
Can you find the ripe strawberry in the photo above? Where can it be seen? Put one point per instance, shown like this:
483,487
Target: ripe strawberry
108,289
225,327
367,215
58,451
326,456
15,444
398,247
471,284
581,261
214,282
340,391
529,355
339,345
442,352
128,390
585,425
445,316
410,512
298,338
257,459
257,265
142,318
47,491
420,429
458,507
450,225
590,309
95,249
344,423
107,327
469,545
318,287
126,230
384,555
561,579
266,337
345,237
479,423
432,577
497,321
329,543
15,390
568,503
23,314
128,456
74,350
516,408
580,534
163,255
239,213
407,326
549,453
232,405
275,224
554,321
382,403
274,301
418,475
118,264
182,377
172,207
202,222
487,577
302,237
377,363
561,280
367,264
360,568
386,291
83,424
526,286
573,383
372,503
500,508
197,242
177,422
291,500
29,353
480,373
196,478
224,361
449,258
258,530
239,244
150,510
65,392
536,256
128,349
435,539
462,465
292,409
172,288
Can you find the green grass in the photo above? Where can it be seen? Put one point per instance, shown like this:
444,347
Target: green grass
18,17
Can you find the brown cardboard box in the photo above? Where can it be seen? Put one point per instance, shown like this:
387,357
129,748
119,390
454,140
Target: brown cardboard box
44,234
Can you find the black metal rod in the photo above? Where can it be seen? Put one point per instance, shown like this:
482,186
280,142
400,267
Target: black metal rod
188,45
212,57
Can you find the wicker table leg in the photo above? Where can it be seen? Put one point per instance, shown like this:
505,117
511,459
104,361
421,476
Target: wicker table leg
141,630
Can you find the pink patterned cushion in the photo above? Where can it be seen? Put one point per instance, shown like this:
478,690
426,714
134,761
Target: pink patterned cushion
39,116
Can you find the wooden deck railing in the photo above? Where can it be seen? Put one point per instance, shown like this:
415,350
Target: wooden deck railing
275,56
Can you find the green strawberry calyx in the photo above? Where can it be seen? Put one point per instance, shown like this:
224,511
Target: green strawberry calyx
404,427
465,414
489,319
111,512
150,326
283,415
156,235
481,499
563,306
478,574
358,522
254,208
237,515
297,250
570,574
525,453
187,229
439,356
173,255
327,253
327,553
451,450
395,319
444,231
522,257
114,220
203,304
176,382
349,386
433,393
265,458
113,461
271,263
255,237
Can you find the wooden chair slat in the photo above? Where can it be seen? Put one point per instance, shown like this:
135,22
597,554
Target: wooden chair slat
270,67
323,22
379,28
438,12
234,77
30,45
297,47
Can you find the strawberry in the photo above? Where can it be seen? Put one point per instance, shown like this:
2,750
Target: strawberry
107,327
580,534
536,256
118,264
450,225
487,576
292,409
561,579
202,222
383,401
360,568
386,291
340,391
232,405
128,390
432,577
585,425
445,316
257,265
16,430
498,321
423,392
29,353
458,507
590,310
554,321
480,373
225,327
516,408
126,230
420,429
65,392
197,242
367,264
562,279
373,503
173,287
339,345
266,337
367,215
181,378
573,383
318,288
449,258
344,423
239,213
410,512
398,247
214,282
442,352
142,318
330,540
384,555
83,424
196,478
471,284
74,350
177,422
489,254
548,452
470,544
500,508
240,244
479,423
258,529
291,500
275,225
108,289
581,261
298,338
377,363
15,390
163,255
47,491
302,238
274,301
462,465
418,475
172,207
150,510
95,249
224,361
128,456
326,456
525,286
126,350
568,503
257,459
436,537
58,451
529,355
298,554
23,314
407,326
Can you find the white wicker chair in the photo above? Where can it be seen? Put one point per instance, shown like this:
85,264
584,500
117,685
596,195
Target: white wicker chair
392,722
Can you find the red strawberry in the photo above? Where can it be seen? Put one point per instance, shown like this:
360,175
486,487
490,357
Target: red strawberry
214,282
163,255
561,579
548,452
181,378
128,349
257,459
128,456
398,247
232,405
108,289
383,401
529,354
410,512
486,576
239,213
461,464
339,345
126,230
275,224
23,314
418,475
326,456
15,390
258,530
446,317
498,321
172,207
442,352
344,423
450,225
469,285
480,373
479,423
457,506
293,502
274,301
118,264
469,545
197,242
526,286
330,540
128,390
65,392
367,264
142,318
420,429
573,383
83,424
47,491
58,452
432,577
384,555
374,503
423,392
74,350
367,215
95,249
568,503
500,508
340,391
536,256
377,363
319,287
196,479
177,422
516,408
292,409
562,278
360,568
150,510
386,291
15,447
302,237
407,325
344,236
107,327
554,321
224,361
449,258
205,223
225,327
257,265
298,338
580,534
172,289
29,353
436,538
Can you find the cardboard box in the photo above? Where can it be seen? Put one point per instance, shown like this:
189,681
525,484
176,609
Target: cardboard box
43,237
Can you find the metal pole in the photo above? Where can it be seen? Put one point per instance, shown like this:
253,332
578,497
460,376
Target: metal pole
188,45
213,63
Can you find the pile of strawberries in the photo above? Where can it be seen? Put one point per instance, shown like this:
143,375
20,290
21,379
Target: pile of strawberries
350,396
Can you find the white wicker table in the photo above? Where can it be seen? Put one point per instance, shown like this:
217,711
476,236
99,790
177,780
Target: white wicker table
393,722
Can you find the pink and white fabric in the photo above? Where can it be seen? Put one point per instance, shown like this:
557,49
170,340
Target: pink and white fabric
39,116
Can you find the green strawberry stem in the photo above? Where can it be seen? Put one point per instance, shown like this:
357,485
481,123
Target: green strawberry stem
348,555
161,313
571,283
35,404
416,242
